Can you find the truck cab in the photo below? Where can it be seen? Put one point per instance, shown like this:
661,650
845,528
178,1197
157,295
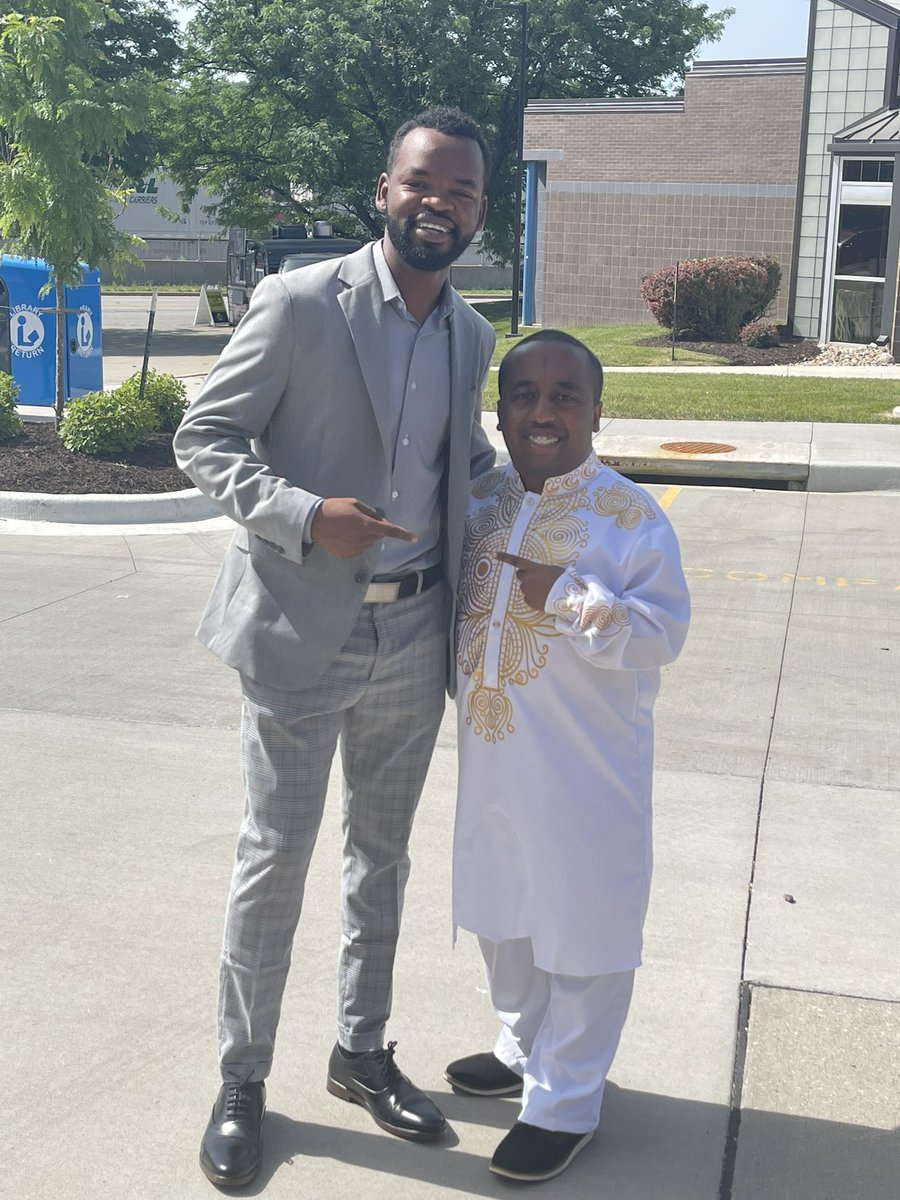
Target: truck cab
289,247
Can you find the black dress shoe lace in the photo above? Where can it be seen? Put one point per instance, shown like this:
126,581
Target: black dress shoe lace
385,1059
239,1102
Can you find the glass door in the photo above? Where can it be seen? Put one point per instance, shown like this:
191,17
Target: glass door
861,240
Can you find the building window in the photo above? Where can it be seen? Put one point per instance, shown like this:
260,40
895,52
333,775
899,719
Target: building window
860,254
868,170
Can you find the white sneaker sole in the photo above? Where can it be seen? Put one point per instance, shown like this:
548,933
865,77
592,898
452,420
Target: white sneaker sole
539,1177
509,1089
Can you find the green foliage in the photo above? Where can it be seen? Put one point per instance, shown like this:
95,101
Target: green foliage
288,106
11,424
107,423
139,38
61,126
166,395
716,296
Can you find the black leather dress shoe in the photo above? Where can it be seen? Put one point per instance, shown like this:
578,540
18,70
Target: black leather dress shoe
374,1080
231,1150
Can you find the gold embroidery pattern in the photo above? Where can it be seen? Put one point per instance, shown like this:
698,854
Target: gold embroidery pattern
588,470
485,484
489,711
624,503
605,616
559,537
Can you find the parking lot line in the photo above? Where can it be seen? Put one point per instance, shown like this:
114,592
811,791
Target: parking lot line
668,497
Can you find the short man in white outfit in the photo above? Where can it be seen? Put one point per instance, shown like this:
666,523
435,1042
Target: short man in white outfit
572,597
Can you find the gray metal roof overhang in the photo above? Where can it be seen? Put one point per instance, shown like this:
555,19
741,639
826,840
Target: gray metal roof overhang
877,133
885,12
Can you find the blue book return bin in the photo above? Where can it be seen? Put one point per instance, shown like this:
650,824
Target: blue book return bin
28,332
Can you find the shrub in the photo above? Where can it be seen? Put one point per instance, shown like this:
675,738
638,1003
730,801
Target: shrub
10,422
716,296
107,423
166,394
760,334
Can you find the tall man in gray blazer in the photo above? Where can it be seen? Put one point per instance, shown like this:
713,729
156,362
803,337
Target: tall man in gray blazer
340,429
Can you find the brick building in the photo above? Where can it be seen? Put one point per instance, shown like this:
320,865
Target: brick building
789,157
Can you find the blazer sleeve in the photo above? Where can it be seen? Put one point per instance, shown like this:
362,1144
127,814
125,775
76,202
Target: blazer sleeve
482,454
213,444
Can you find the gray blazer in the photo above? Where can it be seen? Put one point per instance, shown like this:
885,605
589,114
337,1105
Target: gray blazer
295,408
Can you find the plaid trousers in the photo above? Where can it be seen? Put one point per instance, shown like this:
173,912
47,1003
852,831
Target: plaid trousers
383,697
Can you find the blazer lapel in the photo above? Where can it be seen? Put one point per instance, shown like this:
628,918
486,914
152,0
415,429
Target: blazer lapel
461,385
363,309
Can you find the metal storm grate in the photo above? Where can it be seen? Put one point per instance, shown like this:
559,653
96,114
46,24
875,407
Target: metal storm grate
697,447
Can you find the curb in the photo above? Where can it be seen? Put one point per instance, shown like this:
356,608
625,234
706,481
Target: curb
97,509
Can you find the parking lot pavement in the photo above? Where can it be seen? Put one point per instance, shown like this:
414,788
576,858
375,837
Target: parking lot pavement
771,976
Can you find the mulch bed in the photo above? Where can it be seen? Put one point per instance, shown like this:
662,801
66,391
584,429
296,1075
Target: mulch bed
792,350
37,461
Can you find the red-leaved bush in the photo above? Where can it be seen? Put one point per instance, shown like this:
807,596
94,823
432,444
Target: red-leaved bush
716,296
760,334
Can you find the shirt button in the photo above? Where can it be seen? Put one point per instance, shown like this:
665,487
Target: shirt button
413,386
406,441
495,624
394,495
360,577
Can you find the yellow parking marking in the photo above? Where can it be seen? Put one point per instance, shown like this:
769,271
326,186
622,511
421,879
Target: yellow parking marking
668,497
822,581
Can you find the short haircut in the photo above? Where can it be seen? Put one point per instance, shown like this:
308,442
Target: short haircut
565,339
451,121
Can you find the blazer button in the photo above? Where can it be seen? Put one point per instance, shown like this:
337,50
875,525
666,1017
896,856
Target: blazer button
360,577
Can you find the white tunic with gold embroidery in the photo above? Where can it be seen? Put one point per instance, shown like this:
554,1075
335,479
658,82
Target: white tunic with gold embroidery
553,837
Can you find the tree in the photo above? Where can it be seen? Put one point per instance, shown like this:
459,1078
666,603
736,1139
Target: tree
140,37
64,116
287,105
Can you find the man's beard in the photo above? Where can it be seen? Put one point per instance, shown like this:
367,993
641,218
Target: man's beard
419,255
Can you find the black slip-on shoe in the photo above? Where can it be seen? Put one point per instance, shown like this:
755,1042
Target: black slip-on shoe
531,1155
483,1075
231,1150
374,1080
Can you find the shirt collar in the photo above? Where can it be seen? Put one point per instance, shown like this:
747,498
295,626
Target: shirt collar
556,484
391,293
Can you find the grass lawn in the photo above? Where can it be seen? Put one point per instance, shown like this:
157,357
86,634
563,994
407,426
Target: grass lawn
728,397
614,345
720,397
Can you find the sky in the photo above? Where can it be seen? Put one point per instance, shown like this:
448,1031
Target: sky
760,29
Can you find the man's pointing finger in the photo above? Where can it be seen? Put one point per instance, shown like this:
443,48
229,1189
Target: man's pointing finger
515,560
386,529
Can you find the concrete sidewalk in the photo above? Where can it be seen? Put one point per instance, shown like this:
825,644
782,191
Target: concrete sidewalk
761,1058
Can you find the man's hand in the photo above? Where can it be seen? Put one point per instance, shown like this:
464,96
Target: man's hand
535,579
345,527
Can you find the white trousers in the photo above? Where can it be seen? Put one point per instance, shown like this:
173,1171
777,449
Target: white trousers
560,1033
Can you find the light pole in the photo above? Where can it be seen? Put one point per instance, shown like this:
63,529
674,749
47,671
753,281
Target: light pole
522,9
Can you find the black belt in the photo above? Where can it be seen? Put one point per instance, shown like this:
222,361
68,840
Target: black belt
385,591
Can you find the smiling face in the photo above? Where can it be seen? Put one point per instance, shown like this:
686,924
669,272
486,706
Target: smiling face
432,198
549,409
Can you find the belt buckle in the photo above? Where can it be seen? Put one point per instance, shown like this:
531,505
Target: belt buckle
382,593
